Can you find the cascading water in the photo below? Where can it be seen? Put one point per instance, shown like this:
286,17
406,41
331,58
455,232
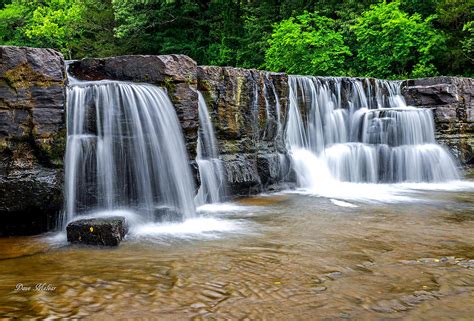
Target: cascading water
357,131
125,150
211,170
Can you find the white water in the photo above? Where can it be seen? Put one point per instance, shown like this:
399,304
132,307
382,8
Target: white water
339,145
201,227
211,170
342,203
125,151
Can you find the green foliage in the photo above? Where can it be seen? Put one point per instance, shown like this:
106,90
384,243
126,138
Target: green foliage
391,43
404,38
97,38
164,27
56,24
468,41
307,44
47,23
453,15
74,27
12,23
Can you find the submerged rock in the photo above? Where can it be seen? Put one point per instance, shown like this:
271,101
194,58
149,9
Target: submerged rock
167,214
108,231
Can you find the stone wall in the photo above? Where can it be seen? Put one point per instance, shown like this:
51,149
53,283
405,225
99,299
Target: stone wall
248,109
452,102
32,139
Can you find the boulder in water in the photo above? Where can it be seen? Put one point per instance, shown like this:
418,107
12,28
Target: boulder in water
108,231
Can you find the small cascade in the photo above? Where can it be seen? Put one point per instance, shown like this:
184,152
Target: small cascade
361,131
272,103
125,151
211,170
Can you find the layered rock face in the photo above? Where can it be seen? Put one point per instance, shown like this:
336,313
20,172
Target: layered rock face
452,102
248,109
32,139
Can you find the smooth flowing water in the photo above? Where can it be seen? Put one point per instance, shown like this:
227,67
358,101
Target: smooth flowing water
379,228
125,151
353,130
287,256
211,171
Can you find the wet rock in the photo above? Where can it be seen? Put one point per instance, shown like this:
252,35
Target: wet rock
241,173
30,201
107,231
272,168
167,214
32,139
389,306
176,73
139,68
248,109
452,102
417,298
467,263
334,275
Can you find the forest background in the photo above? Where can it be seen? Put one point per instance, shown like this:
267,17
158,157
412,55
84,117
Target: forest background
384,39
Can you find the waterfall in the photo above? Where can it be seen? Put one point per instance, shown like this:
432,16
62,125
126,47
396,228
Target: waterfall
125,150
361,131
211,170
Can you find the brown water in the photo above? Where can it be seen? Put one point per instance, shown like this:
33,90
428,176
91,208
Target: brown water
290,257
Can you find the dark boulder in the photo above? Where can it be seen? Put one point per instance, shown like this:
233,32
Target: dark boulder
108,231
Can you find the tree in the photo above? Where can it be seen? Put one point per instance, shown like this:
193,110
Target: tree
56,24
391,43
97,38
468,42
307,44
452,18
164,26
13,18
47,23
404,38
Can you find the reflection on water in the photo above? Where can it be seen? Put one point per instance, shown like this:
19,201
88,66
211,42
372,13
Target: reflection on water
284,256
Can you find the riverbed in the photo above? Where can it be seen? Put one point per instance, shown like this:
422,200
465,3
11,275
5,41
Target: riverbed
292,255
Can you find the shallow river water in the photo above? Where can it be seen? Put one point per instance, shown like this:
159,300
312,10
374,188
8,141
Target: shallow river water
286,256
